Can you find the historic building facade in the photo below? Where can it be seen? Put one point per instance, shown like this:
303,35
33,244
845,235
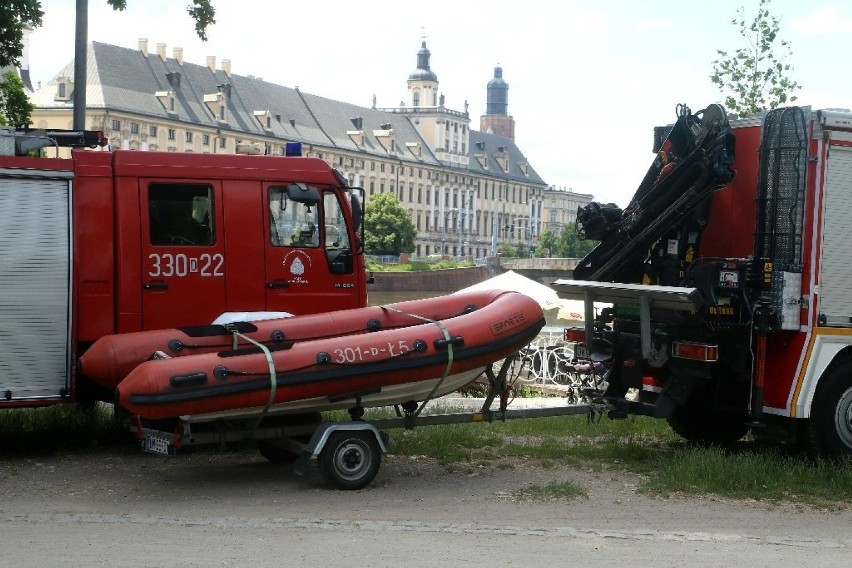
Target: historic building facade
466,190
559,207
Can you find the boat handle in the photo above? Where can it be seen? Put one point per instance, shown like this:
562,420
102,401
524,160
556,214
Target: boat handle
156,286
442,343
278,284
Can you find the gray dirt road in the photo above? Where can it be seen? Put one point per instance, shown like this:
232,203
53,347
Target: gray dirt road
236,509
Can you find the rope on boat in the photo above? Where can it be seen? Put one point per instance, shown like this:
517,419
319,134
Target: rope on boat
273,381
449,341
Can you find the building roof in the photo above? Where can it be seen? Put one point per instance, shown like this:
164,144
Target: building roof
127,80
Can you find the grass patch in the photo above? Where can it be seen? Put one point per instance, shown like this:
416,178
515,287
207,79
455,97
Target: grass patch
762,473
417,266
553,490
62,427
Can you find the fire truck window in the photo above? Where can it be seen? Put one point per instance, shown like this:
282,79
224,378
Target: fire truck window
336,236
180,214
292,222
338,250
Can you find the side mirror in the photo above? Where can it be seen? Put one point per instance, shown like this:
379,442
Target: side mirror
303,193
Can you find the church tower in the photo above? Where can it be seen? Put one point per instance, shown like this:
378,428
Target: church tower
496,119
422,83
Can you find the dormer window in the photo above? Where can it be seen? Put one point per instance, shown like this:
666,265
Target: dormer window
216,103
167,99
264,117
63,89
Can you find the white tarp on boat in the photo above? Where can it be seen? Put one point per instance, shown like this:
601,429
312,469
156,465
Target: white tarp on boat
547,298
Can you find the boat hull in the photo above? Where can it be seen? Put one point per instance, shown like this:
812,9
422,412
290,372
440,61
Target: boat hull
387,366
387,396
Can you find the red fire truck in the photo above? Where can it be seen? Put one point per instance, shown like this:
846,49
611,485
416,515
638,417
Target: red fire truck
729,274
114,242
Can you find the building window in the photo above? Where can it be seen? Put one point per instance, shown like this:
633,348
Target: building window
417,99
172,134
372,166
205,139
189,137
381,167
61,90
116,125
222,142
134,128
372,187
152,131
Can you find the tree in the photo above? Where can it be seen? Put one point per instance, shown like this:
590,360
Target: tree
546,243
17,14
15,106
755,77
387,226
14,16
569,245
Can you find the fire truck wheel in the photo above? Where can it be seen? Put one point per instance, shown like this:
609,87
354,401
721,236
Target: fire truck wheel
830,424
698,422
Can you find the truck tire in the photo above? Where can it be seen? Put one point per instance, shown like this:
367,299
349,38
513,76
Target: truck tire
697,421
830,425
350,460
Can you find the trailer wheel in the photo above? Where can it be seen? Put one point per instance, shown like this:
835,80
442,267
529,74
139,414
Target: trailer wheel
830,424
350,460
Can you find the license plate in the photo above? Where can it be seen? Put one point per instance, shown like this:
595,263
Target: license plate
581,351
157,444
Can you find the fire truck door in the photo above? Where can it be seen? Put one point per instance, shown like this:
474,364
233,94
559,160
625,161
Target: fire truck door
183,254
308,255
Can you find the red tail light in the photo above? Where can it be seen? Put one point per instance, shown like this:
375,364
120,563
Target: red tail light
695,351
577,334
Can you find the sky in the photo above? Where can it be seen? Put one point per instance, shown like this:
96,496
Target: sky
588,79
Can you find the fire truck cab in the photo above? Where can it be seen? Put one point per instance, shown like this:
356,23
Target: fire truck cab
114,242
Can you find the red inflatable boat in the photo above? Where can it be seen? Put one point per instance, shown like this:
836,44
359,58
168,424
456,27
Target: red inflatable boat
374,356
111,358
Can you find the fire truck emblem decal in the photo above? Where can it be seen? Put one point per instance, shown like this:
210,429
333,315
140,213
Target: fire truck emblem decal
297,262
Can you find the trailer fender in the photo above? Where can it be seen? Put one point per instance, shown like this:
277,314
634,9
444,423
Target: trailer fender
324,431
